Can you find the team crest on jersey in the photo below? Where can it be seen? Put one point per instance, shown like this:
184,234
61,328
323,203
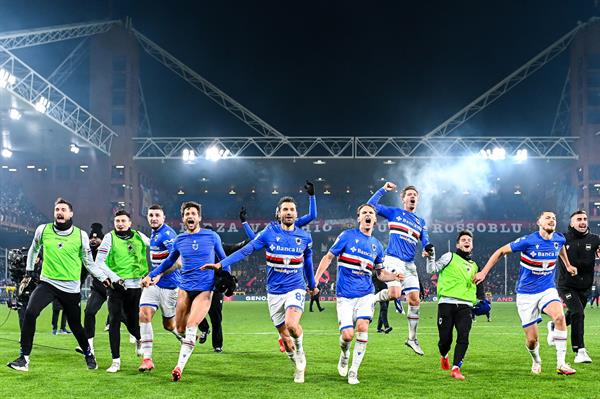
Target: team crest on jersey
555,245
588,247
374,248
298,241
130,247
195,246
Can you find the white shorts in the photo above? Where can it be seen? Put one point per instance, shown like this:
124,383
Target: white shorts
531,306
163,298
351,309
409,269
279,303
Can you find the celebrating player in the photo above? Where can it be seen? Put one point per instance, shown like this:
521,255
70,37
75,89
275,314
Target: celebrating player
359,254
536,291
288,254
406,230
163,294
65,249
196,246
457,293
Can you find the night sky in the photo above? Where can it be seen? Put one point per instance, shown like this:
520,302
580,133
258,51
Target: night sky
332,67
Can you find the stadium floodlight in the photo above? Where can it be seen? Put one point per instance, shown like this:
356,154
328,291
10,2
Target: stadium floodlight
6,78
388,162
496,154
6,152
180,192
213,153
518,192
41,105
275,192
14,114
521,155
30,166
327,192
232,192
188,155
319,162
74,149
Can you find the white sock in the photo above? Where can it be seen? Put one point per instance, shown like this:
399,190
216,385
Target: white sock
117,361
535,353
147,338
360,347
91,343
382,296
298,344
187,346
413,321
345,347
560,339
26,358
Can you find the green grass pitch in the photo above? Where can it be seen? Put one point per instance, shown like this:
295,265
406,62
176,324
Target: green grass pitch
251,366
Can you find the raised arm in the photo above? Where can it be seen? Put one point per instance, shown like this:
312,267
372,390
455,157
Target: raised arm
238,255
374,200
247,229
308,268
312,206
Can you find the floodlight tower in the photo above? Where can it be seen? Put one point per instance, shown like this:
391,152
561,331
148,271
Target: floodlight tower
585,118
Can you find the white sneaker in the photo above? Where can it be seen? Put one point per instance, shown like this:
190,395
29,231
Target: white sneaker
299,376
536,368
582,356
550,336
353,378
414,345
114,367
343,365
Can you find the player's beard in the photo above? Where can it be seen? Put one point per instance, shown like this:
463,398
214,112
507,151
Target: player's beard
549,229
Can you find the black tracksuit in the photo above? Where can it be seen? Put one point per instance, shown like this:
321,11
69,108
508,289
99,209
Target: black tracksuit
216,306
574,290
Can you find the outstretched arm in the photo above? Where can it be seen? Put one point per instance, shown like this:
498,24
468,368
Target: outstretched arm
500,252
374,200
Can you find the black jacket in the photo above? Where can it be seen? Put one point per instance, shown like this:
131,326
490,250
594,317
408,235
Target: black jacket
581,250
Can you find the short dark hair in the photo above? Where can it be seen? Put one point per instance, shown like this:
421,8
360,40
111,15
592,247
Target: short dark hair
542,212
61,200
405,189
155,207
122,212
578,212
191,204
285,199
463,233
361,206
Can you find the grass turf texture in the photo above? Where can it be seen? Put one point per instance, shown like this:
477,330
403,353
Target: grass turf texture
251,366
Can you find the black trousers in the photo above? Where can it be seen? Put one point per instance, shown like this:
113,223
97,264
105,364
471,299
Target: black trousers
382,320
451,316
313,299
123,303
56,308
94,303
216,320
575,301
41,297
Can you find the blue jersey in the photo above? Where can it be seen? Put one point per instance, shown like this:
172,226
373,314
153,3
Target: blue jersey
161,245
406,229
196,250
288,254
358,254
538,261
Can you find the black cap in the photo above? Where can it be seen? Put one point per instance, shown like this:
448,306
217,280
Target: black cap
96,231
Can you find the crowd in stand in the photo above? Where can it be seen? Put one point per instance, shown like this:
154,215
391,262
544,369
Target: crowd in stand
15,210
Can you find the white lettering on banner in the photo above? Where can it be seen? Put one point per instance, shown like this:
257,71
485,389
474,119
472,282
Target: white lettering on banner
336,225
